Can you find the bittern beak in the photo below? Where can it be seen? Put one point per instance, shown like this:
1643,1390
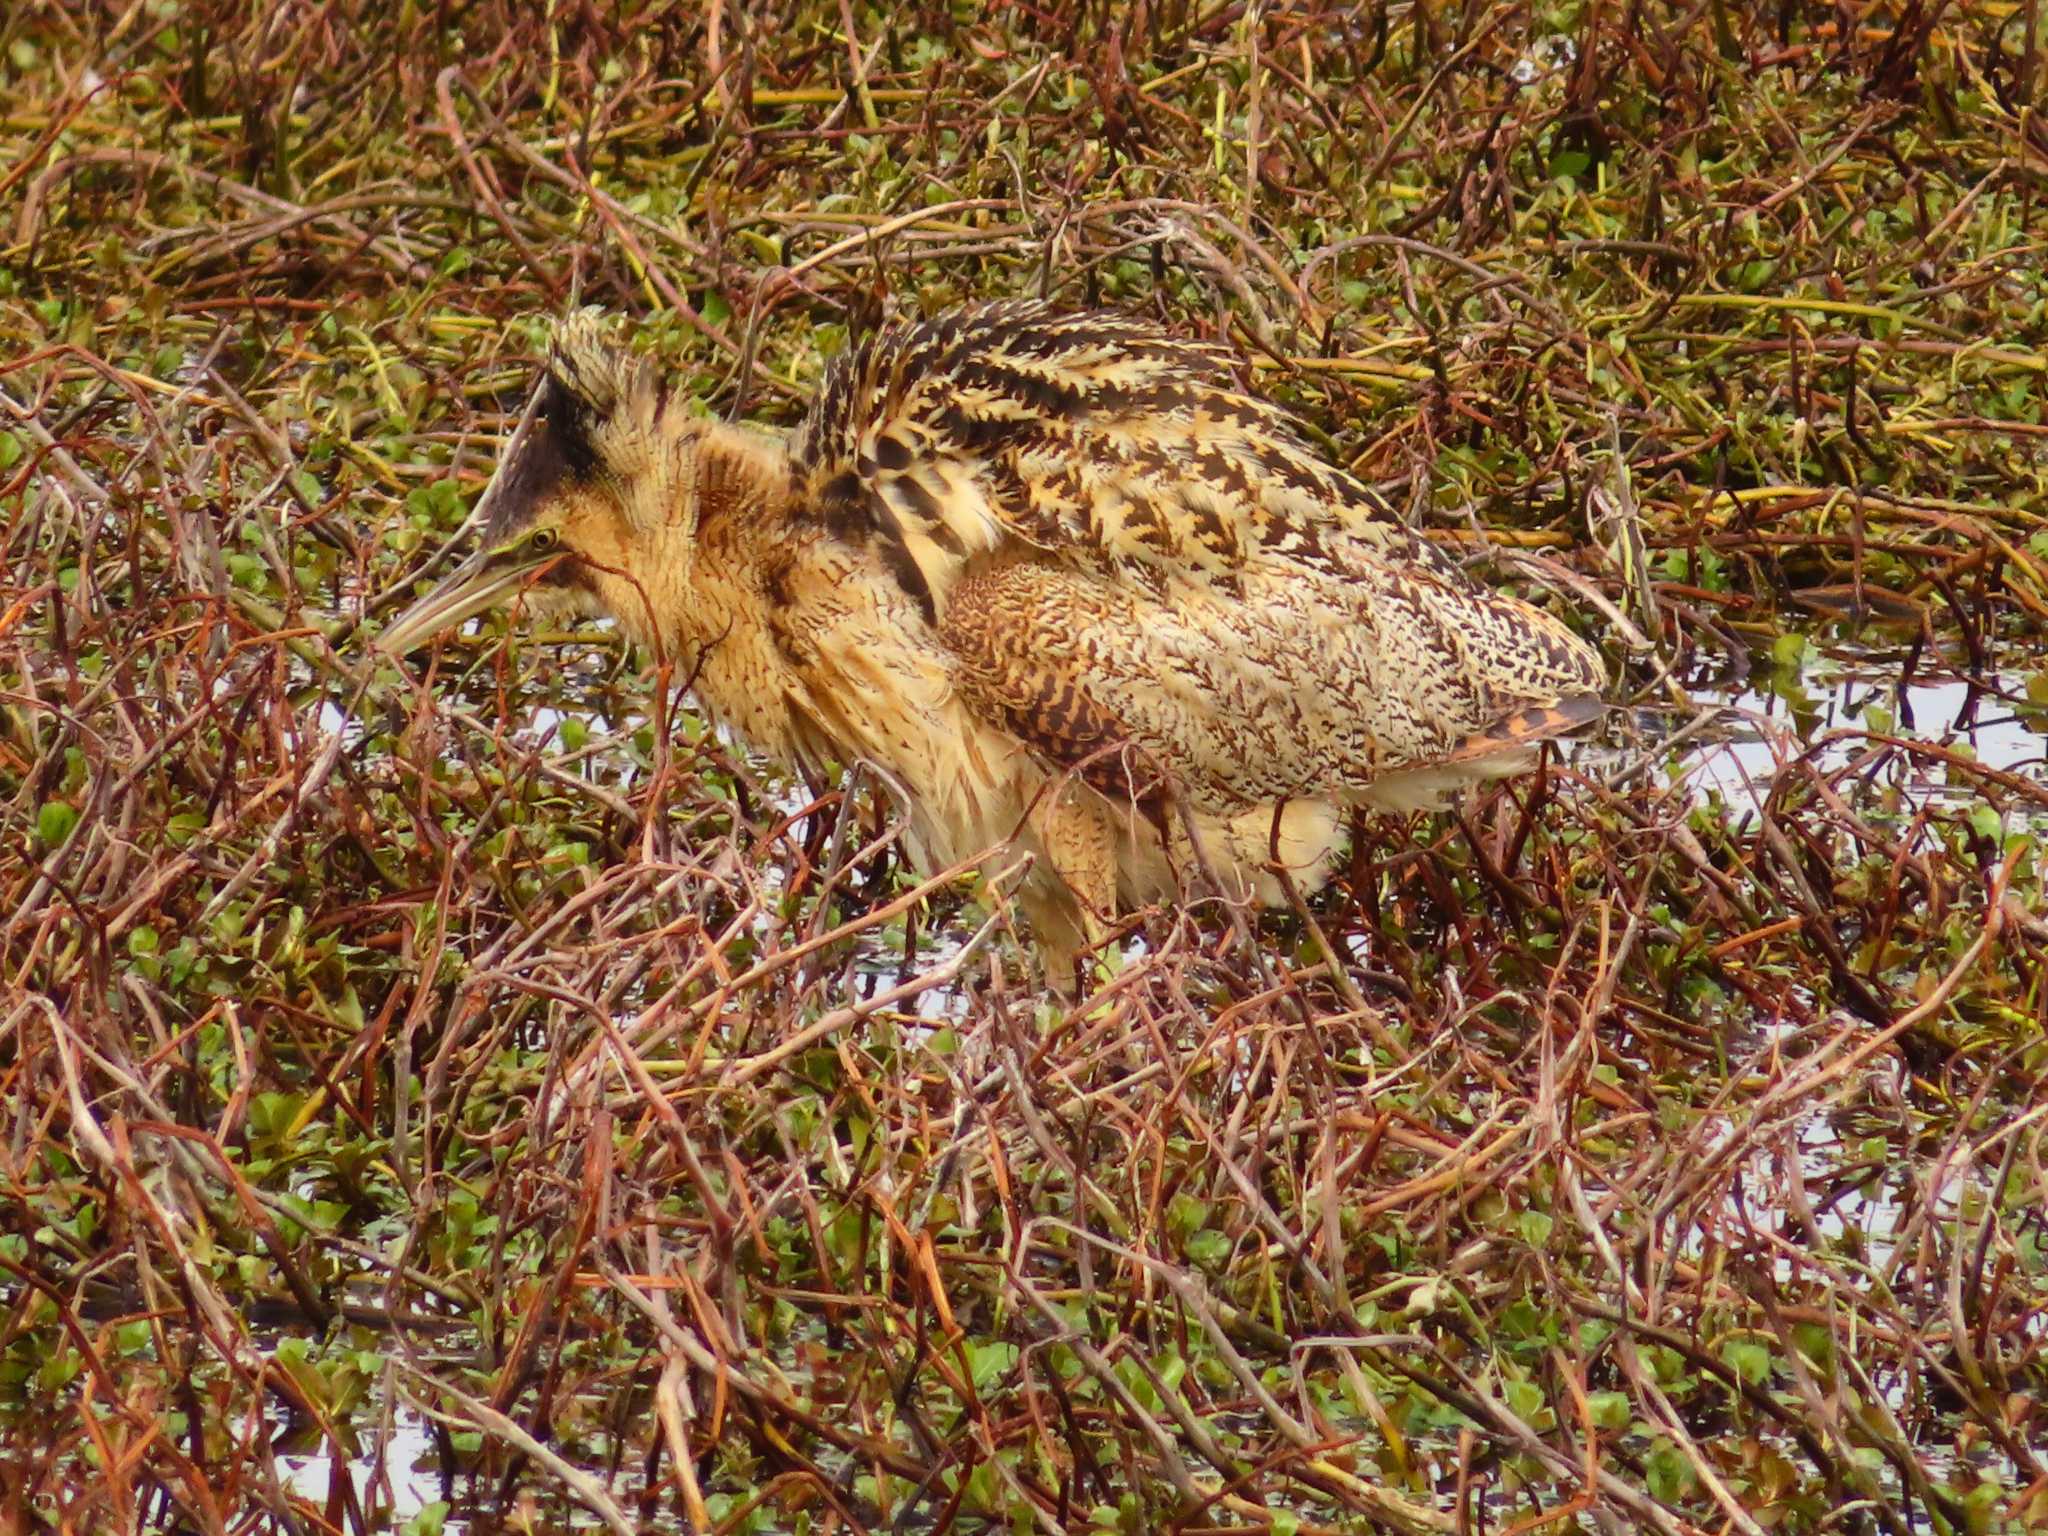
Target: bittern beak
481,582
486,578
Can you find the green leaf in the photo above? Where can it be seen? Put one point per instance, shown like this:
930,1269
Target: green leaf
983,1490
228,924
348,1009
1609,1410
989,1363
60,1370
1171,1368
1747,1358
1670,1475
1524,1398
1816,1341
55,821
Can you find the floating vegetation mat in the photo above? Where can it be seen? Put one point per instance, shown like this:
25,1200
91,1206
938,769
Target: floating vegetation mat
480,1097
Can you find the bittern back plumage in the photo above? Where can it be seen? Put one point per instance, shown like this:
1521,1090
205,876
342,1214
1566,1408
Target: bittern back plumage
1055,575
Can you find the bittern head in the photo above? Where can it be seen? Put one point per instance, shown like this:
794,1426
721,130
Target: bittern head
597,472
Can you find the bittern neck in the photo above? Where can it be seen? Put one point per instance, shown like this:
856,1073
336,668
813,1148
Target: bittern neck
742,480
685,573
698,598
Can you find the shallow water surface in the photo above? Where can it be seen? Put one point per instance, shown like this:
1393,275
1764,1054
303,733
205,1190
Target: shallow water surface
1756,736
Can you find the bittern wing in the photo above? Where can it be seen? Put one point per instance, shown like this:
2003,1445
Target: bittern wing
1092,439
1141,569
1305,686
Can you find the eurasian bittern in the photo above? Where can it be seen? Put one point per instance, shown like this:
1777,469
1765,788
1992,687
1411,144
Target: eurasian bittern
1056,575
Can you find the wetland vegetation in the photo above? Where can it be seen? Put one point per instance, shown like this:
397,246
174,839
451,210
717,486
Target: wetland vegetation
477,1097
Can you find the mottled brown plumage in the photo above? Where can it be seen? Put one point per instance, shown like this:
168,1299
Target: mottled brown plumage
1056,576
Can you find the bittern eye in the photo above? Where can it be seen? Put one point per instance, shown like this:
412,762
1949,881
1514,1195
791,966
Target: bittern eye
544,539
